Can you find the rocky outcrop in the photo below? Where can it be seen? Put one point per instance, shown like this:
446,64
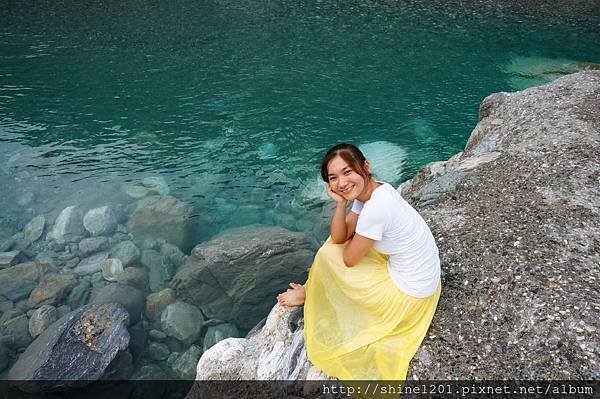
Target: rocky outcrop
516,218
73,351
236,275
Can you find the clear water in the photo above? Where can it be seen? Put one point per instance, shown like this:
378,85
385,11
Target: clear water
233,103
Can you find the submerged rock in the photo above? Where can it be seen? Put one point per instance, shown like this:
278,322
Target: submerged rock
52,289
34,229
127,252
100,221
218,333
73,351
182,321
68,226
161,217
129,297
236,276
41,319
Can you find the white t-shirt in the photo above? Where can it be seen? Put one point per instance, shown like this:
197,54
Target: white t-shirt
400,232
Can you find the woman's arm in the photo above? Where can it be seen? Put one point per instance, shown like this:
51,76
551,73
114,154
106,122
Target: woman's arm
356,249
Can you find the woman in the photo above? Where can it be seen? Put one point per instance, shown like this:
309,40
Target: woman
374,285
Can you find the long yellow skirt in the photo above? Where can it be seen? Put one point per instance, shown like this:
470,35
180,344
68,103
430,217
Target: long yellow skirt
358,325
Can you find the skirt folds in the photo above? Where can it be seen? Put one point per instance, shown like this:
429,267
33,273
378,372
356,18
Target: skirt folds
358,325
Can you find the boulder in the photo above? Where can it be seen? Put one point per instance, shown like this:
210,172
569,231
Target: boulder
185,365
90,245
182,321
16,290
100,221
34,229
73,351
8,259
24,271
134,276
112,269
161,270
18,328
79,294
68,226
41,319
129,297
236,276
52,289
158,301
218,333
127,252
91,264
161,217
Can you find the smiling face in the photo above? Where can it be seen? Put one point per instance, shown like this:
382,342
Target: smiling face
344,180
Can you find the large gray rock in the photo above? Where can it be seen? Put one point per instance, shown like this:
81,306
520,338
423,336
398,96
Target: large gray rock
161,217
127,252
17,328
185,365
73,351
90,245
129,297
100,221
24,271
8,259
182,321
218,333
16,290
68,226
236,276
91,264
161,270
52,289
34,229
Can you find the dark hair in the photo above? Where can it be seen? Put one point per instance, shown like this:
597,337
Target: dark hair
349,153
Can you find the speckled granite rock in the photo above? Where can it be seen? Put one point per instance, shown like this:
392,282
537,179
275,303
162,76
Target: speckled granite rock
73,351
516,219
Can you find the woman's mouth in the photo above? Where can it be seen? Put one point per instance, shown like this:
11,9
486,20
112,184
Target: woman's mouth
347,190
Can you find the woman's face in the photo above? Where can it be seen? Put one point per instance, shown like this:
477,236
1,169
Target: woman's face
344,180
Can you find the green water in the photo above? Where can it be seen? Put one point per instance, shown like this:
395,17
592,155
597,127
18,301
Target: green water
234,102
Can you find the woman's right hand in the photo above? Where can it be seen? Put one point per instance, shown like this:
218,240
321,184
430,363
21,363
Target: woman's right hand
335,196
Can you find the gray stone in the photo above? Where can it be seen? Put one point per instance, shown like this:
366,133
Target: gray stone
157,334
41,318
182,321
127,252
7,244
74,350
158,351
18,328
16,290
161,270
90,245
79,294
8,259
52,289
24,271
134,276
62,310
34,229
158,301
129,297
68,226
173,254
112,269
235,276
100,221
218,333
91,264
185,365
161,217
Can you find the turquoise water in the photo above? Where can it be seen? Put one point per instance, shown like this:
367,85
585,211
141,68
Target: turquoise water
233,103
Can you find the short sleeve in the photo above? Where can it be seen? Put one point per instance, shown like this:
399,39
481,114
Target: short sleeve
357,207
372,222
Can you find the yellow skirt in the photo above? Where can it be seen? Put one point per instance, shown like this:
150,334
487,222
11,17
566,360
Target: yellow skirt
358,325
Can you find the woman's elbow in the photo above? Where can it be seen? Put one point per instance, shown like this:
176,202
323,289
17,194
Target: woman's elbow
348,261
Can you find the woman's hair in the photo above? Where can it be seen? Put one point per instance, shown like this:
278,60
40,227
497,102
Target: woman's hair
349,153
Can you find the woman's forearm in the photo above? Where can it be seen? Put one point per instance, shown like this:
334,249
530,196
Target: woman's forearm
338,223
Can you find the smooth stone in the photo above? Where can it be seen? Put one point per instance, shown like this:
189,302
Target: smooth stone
182,321
161,217
74,350
90,245
68,226
91,264
129,297
127,252
8,259
218,333
18,328
52,289
134,276
185,365
112,268
24,271
62,310
34,229
157,334
158,301
161,269
158,351
173,254
79,294
100,221
41,318
16,290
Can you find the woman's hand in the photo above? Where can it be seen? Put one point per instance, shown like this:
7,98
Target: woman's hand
335,196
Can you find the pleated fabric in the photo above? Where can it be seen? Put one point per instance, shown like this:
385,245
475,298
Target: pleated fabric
358,325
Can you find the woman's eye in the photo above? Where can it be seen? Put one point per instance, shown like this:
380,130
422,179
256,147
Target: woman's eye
331,178
347,172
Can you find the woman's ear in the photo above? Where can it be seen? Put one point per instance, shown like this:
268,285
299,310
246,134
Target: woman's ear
367,167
